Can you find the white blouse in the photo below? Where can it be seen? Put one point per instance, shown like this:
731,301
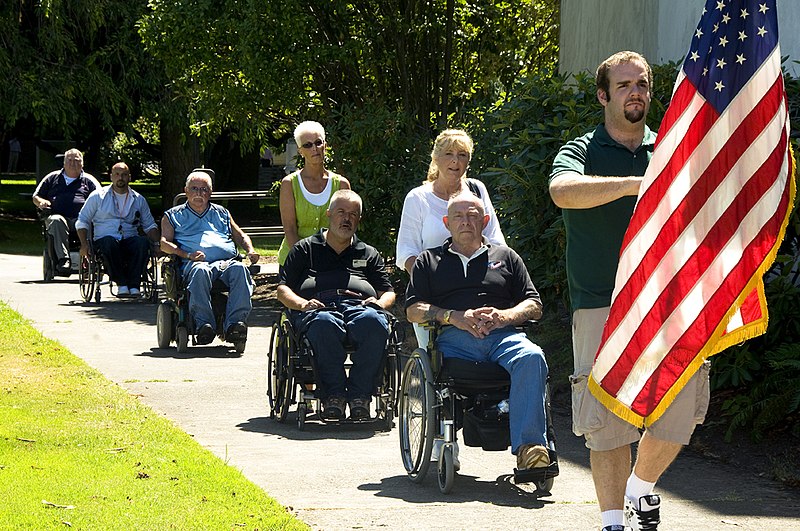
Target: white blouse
421,225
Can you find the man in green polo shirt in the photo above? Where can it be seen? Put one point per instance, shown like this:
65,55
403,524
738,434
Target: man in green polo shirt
595,181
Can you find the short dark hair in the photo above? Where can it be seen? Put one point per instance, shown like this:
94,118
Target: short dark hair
601,75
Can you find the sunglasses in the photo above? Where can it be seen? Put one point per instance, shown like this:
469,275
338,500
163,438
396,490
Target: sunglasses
318,142
200,189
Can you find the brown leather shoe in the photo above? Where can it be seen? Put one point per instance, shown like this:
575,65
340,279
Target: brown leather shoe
532,456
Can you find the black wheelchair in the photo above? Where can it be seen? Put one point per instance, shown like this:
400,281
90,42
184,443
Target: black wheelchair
439,396
291,375
95,267
50,268
174,323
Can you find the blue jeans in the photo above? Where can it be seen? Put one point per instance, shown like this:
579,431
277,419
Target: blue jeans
328,330
126,258
524,361
200,276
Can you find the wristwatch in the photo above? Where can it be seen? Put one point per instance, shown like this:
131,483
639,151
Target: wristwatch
446,318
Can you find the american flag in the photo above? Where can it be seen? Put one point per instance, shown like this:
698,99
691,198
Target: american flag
712,211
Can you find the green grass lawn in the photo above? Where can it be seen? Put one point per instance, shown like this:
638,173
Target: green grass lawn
78,451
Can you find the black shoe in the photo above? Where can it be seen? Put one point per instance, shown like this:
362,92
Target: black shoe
333,408
359,408
64,266
205,335
236,332
646,517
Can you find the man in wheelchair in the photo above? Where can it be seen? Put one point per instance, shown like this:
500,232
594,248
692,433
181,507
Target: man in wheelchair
480,292
61,194
337,284
114,214
204,236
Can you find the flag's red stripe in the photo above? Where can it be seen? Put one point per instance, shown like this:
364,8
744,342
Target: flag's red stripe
685,279
686,348
720,166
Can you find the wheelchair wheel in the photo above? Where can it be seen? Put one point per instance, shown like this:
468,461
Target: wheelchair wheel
150,280
278,377
417,415
446,469
164,324
87,278
182,339
545,485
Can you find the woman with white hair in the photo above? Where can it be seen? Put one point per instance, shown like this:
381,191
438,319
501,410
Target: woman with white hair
306,193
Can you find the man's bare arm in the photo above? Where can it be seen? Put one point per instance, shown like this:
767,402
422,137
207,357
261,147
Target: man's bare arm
576,191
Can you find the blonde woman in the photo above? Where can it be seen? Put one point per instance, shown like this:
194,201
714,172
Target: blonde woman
306,193
421,225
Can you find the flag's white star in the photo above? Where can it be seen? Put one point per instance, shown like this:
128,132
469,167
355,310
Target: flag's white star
744,14
705,71
723,41
762,31
694,56
718,86
763,8
698,33
716,28
726,18
720,5
721,63
740,58
742,36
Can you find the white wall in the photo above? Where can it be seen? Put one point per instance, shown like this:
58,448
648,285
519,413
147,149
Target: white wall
661,30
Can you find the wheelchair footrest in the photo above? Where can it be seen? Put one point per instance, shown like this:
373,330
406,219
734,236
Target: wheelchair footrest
538,474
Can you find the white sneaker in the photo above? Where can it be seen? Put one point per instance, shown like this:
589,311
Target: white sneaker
438,444
123,291
135,292
646,517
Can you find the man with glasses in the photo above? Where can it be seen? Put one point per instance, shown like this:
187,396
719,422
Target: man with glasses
205,236
115,214
61,194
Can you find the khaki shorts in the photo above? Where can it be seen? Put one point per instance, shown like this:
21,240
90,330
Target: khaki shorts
601,428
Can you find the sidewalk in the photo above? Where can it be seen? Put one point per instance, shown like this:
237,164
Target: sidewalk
352,477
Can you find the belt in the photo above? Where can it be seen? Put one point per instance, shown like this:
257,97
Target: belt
334,293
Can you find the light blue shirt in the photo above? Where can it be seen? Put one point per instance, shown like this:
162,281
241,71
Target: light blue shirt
209,232
104,214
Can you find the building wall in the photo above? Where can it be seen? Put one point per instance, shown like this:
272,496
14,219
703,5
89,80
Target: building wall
661,30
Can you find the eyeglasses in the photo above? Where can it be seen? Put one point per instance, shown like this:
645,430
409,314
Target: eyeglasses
318,142
200,189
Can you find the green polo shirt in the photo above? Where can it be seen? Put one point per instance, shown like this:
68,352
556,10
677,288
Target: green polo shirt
594,235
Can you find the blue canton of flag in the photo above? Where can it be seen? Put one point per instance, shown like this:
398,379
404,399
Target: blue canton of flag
731,42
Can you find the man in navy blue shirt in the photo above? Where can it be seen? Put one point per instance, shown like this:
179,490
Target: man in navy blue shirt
64,192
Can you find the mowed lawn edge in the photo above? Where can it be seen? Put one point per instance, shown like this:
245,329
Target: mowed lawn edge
78,451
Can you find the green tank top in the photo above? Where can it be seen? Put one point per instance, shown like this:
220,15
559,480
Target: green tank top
310,218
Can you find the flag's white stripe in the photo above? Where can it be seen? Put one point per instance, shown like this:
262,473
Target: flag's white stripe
735,322
694,303
687,243
747,99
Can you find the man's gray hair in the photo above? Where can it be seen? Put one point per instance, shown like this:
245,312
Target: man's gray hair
73,151
200,175
347,195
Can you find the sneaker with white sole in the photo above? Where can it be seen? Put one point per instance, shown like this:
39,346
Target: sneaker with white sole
438,444
647,516
135,292
614,528
123,291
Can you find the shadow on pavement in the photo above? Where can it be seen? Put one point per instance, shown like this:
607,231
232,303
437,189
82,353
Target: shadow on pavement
314,429
466,489
204,351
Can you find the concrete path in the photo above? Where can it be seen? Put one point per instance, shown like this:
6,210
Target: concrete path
352,477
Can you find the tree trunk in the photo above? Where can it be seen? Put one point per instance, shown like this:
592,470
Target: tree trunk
178,158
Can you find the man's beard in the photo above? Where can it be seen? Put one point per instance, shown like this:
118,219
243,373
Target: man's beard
634,115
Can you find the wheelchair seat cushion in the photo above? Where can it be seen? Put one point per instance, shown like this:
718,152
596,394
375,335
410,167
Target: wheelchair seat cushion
473,374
